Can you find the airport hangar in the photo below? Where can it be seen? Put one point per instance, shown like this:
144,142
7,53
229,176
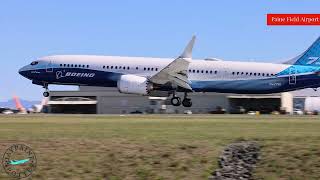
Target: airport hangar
102,100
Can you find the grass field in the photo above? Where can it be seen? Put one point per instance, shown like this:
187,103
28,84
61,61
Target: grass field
161,147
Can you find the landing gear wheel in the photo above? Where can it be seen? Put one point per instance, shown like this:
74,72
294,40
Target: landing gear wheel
187,102
46,94
176,101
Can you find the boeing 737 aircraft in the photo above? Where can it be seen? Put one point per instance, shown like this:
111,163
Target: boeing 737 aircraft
153,76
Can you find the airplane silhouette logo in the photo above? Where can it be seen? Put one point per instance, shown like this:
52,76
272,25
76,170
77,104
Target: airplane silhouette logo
18,162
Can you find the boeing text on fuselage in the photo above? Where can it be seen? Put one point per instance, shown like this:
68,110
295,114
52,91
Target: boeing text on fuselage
62,74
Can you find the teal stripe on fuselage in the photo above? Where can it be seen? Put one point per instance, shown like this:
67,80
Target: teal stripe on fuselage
298,69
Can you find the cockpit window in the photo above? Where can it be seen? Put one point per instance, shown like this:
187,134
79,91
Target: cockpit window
34,63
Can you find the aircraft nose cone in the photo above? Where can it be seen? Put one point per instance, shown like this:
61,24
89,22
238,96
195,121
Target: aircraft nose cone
22,72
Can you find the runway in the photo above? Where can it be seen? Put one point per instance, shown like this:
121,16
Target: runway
161,146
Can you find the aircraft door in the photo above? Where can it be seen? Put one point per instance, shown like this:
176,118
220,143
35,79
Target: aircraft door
49,67
292,75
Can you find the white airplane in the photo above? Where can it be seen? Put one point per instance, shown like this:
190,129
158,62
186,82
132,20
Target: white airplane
151,76
38,108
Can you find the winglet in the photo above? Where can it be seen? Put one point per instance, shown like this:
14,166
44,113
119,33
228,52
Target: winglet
187,53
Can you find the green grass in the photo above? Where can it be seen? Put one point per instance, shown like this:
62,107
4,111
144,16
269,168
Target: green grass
162,147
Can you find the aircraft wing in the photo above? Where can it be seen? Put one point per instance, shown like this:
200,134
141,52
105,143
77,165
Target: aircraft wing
177,71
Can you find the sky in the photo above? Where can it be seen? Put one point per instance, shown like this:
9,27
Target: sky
228,29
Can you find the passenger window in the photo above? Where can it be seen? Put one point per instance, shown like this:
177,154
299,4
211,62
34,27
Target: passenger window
198,71
67,65
87,66
210,72
215,72
111,67
207,72
201,71
148,69
116,67
128,68
193,71
137,68
124,68
254,74
232,73
144,68
75,65
156,69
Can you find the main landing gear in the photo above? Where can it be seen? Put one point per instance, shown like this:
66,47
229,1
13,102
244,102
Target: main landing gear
176,101
46,92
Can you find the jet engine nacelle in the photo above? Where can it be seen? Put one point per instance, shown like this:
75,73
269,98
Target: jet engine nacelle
132,84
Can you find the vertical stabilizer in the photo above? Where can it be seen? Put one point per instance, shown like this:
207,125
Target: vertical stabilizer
311,57
18,104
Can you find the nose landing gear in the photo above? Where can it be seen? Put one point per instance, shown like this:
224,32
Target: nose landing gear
46,92
176,101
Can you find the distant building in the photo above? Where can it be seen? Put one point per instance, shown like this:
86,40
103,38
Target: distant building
102,100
